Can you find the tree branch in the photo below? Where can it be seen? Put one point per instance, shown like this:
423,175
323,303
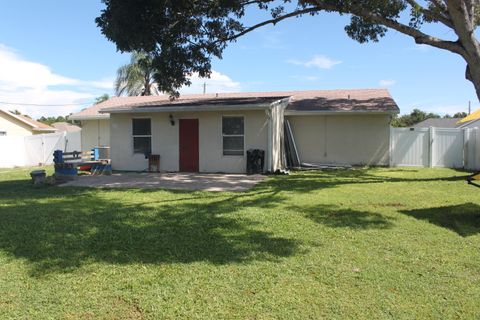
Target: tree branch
419,37
430,14
271,21
439,4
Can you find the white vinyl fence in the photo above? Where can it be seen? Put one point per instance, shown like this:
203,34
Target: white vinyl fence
37,149
435,147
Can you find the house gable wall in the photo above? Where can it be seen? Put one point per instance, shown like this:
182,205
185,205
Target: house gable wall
14,127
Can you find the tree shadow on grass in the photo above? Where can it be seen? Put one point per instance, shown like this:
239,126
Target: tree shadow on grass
61,229
335,217
308,181
464,219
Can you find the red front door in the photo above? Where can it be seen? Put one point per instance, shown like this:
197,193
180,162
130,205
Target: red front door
188,140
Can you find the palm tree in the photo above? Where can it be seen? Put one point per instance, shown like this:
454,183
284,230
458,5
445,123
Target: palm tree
136,78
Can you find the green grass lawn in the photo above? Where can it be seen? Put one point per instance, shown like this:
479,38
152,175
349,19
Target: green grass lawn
360,244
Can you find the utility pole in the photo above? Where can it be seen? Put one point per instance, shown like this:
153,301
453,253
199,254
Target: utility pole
204,87
469,106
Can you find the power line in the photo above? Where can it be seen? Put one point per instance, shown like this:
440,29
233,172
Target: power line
45,105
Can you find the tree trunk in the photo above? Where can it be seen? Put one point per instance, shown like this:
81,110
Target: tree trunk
472,74
146,89
464,19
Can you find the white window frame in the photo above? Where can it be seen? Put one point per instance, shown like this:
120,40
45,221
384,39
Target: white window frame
141,136
233,135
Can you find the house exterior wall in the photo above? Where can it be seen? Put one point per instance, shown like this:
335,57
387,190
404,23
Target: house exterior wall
14,127
361,139
165,140
95,133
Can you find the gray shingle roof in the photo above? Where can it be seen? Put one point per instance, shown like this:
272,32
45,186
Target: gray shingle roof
438,123
314,100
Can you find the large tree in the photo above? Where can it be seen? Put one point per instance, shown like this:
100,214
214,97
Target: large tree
136,77
184,35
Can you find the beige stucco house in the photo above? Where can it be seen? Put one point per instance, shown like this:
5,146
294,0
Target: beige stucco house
212,132
21,126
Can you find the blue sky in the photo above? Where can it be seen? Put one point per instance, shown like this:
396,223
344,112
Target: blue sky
51,52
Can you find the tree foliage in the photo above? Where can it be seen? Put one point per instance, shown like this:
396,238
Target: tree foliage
102,98
417,116
183,35
16,112
460,115
50,120
136,78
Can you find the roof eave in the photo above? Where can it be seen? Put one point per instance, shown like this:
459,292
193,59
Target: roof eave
103,116
44,129
465,124
336,112
262,106
18,118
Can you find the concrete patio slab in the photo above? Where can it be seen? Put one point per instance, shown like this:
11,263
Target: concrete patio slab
180,181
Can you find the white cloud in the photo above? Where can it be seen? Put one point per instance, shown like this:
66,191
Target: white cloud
217,83
386,83
28,82
318,61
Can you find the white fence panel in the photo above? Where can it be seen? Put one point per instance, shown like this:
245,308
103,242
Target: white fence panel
36,149
476,151
52,142
73,141
472,152
12,152
448,148
435,147
409,148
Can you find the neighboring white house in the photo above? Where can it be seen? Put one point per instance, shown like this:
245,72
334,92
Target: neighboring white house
212,132
15,125
95,126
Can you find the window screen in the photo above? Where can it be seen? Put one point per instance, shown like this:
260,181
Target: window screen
141,127
233,136
142,136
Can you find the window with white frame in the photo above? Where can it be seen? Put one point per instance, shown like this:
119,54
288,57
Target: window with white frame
233,135
142,135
